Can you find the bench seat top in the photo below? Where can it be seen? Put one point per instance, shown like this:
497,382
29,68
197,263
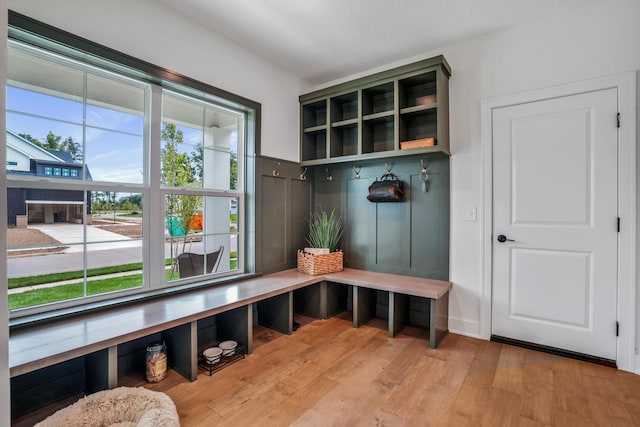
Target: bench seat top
416,286
45,344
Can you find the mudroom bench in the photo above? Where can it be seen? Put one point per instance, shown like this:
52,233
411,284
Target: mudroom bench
98,350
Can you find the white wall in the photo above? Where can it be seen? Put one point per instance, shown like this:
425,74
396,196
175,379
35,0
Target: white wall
5,407
150,31
581,44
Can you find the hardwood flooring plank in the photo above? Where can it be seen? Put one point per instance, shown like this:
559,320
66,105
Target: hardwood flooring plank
507,413
328,373
433,405
299,403
380,417
408,394
537,405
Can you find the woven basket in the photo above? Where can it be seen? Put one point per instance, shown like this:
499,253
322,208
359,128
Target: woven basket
319,264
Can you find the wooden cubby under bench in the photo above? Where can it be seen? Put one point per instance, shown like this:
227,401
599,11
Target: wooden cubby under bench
82,354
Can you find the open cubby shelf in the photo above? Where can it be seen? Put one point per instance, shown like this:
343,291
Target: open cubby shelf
375,116
224,361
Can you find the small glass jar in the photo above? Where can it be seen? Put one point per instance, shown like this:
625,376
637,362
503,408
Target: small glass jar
156,362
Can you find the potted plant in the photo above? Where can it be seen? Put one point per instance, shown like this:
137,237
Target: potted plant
325,230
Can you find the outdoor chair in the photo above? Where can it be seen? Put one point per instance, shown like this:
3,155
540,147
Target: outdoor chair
191,264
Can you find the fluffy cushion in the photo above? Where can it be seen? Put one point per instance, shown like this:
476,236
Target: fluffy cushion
121,407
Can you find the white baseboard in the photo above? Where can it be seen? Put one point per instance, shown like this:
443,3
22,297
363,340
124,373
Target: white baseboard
469,328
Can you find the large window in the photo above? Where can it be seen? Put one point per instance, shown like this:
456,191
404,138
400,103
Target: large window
119,183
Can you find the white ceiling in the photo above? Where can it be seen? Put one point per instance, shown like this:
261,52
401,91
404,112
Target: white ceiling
324,40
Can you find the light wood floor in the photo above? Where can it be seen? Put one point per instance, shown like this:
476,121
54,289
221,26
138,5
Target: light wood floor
329,374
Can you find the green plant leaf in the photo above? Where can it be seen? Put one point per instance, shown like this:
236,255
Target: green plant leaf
325,229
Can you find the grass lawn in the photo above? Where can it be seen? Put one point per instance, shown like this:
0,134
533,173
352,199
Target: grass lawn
20,282
76,290
73,290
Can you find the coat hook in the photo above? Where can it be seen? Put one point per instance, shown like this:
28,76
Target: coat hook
388,170
329,177
424,176
303,175
275,171
356,172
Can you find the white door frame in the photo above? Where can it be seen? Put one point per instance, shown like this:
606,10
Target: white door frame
626,86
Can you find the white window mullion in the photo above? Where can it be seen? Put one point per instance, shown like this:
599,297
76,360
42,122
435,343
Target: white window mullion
153,210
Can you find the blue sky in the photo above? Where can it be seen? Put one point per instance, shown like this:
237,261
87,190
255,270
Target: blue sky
113,140
114,144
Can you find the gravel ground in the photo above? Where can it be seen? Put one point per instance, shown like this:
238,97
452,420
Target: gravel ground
129,229
17,237
28,237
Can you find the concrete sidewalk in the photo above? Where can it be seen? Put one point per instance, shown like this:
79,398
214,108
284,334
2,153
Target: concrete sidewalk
72,235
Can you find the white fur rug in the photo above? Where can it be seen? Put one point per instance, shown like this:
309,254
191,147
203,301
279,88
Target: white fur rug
121,407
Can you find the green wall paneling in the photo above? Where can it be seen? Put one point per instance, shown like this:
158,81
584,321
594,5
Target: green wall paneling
273,220
410,237
283,206
300,212
358,216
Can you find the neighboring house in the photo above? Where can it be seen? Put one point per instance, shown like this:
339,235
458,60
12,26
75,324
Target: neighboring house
26,206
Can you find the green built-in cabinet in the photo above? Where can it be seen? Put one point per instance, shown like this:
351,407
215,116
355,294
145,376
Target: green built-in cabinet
397,112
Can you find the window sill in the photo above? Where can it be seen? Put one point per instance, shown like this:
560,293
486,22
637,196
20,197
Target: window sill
69,312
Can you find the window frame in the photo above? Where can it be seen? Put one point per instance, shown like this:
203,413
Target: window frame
33,33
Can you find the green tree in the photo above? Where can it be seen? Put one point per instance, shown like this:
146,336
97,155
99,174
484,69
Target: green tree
56,143
31,139
52,142
197,160
233,176
70,146
110,202
177,171
134,200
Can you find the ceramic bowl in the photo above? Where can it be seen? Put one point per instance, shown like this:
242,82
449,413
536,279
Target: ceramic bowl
212,355
228,347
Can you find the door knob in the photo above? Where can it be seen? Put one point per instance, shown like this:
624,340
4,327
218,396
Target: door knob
502,238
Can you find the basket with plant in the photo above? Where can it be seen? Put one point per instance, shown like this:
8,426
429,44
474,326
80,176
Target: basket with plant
322,257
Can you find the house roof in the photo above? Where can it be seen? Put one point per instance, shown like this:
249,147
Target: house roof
38,154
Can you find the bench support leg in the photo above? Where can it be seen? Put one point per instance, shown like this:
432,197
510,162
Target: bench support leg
182,349
438,320
99,378
398,313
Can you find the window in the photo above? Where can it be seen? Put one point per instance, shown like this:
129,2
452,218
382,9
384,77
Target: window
153,186
199,170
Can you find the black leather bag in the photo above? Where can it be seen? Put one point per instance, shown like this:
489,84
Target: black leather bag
387,189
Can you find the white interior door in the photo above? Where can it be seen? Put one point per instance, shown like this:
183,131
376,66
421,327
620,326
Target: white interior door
555,198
